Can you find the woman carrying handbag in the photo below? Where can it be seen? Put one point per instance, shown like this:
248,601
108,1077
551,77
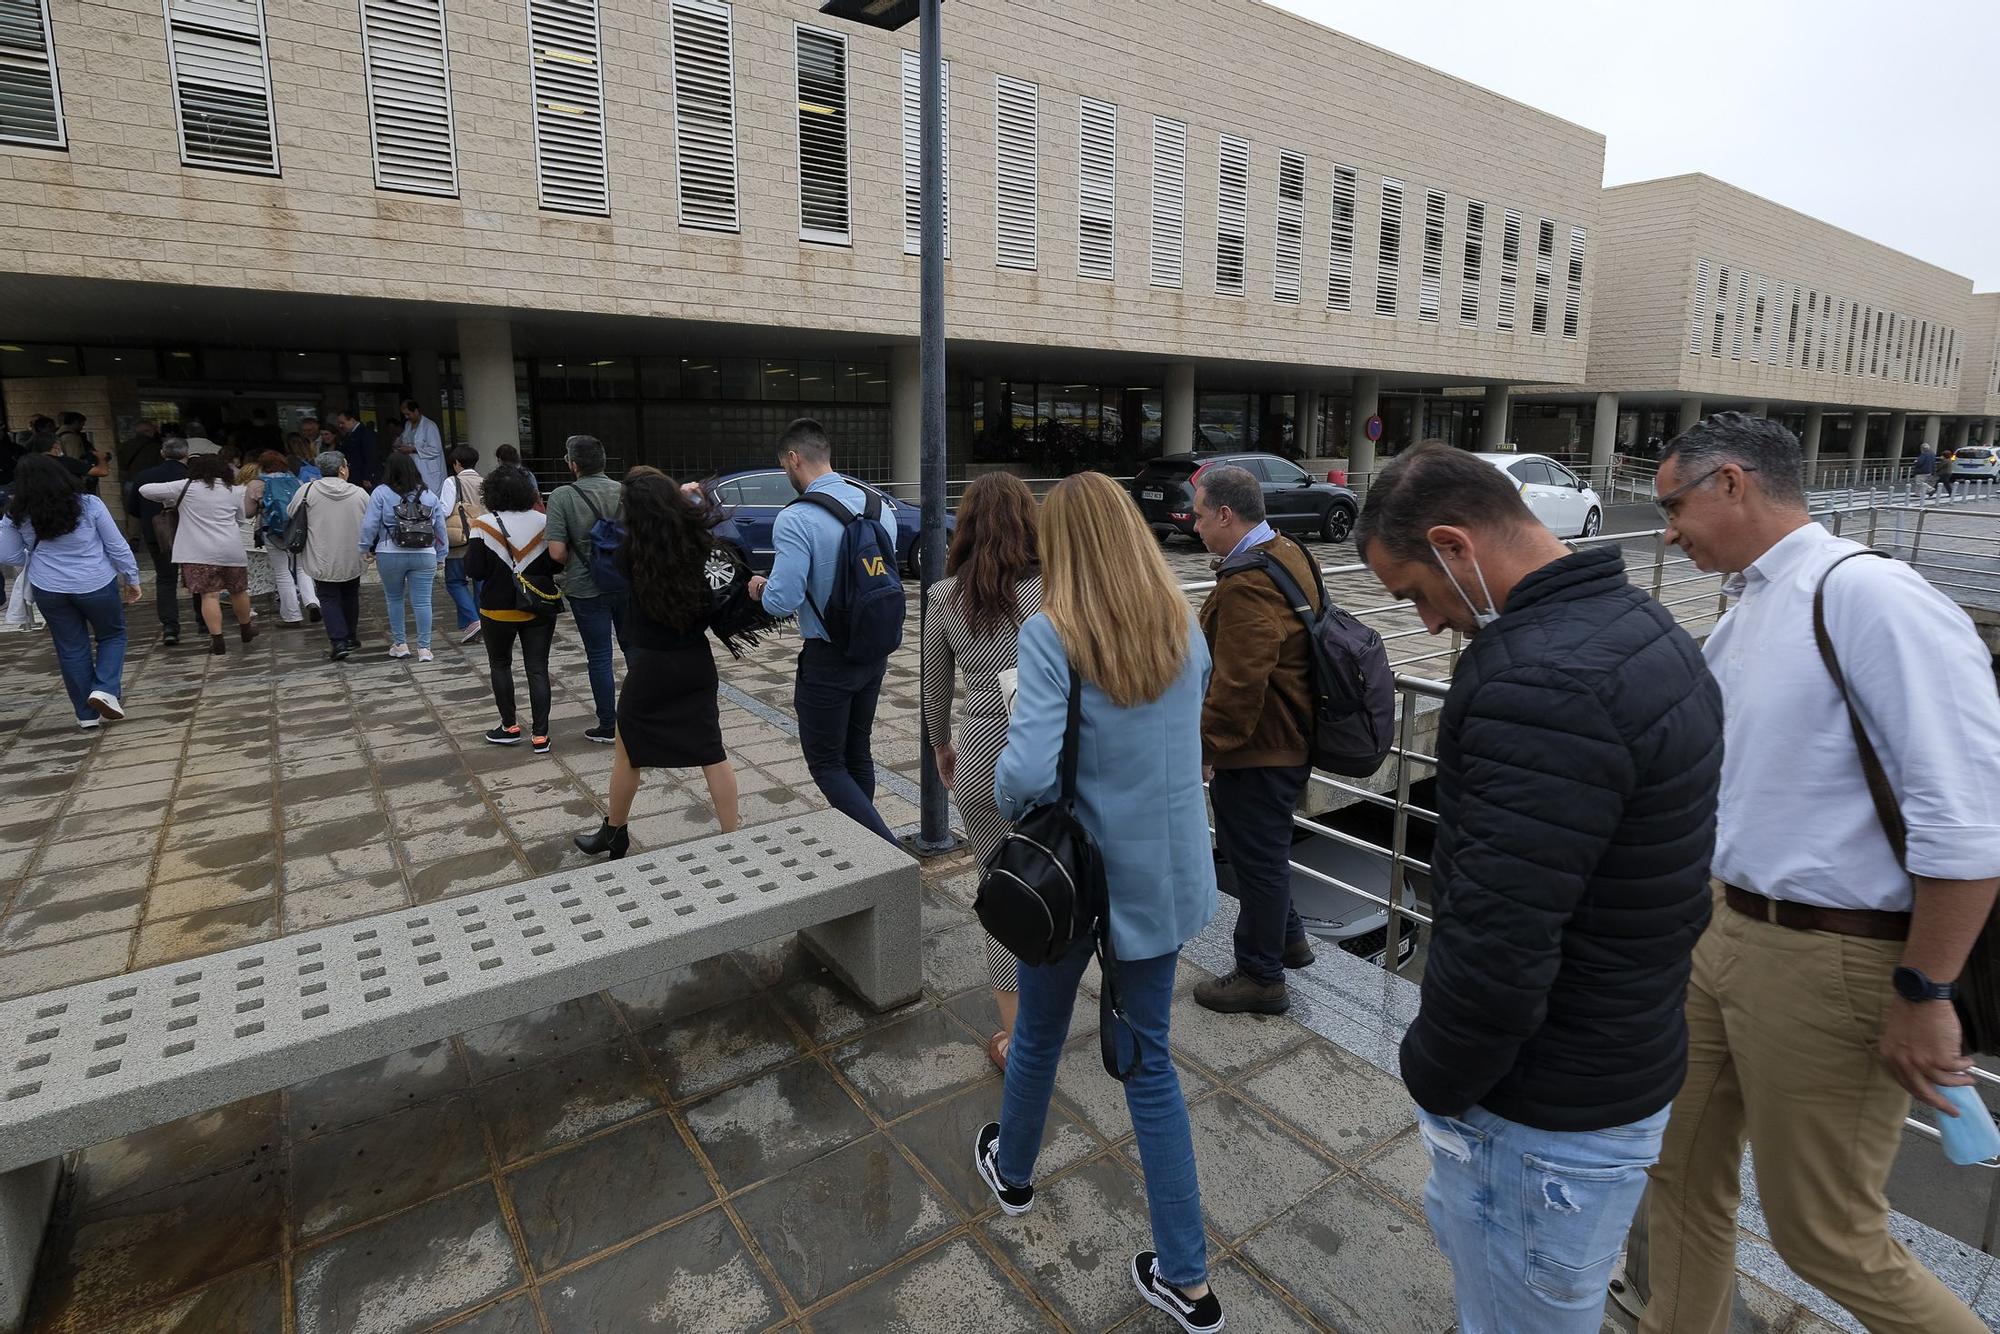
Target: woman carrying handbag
508,556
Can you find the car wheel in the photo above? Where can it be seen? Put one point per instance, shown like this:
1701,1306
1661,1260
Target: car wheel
1592,522
1336,523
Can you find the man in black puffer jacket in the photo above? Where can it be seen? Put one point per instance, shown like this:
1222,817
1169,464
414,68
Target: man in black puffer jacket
1579,756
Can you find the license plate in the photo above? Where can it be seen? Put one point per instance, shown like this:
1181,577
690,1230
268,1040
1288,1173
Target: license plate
1152,495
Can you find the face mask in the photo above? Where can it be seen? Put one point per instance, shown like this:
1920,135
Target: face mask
1480,619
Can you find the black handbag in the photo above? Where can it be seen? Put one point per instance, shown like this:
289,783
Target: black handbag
293,539
1043,896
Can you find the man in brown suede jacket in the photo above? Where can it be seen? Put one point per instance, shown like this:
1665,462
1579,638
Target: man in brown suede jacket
1253,737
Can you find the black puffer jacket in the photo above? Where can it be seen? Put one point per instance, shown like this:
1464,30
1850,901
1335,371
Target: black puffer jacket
1579,755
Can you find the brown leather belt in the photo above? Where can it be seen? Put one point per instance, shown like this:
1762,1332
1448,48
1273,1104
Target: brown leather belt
1867,922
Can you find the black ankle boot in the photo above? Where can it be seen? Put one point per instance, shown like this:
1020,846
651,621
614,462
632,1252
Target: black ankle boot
217,645
248,630
611,838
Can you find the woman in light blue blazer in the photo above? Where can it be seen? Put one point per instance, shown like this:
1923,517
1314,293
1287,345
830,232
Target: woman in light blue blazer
1110,606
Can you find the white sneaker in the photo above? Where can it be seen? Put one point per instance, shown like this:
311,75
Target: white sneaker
399,650
107,705
470,633
88,724
424,655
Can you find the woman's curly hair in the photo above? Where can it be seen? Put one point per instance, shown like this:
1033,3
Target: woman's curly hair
668,538
45,497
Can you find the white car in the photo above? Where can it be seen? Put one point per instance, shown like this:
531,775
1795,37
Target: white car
1976,461
1558,496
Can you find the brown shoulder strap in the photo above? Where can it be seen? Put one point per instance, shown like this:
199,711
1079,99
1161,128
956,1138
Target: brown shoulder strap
1886,809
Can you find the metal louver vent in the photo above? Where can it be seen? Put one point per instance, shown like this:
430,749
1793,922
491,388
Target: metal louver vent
30,94
1721,312
1097,189
913,152
1510,269
824,213
1545,262
1017,180
222,84
1475,261
705,114
1167,244
1430,285
1389,257
1698,326
1792,330
1757,319
1340,252
569,105
1288,260
1232,208
1742,317
1573,290
1811,317
404,51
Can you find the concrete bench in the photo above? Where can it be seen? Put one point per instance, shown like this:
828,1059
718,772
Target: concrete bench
90,1063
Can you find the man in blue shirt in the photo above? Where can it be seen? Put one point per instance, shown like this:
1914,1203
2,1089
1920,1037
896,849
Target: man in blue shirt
833,698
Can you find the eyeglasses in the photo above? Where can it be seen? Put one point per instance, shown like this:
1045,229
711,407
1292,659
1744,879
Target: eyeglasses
1671,501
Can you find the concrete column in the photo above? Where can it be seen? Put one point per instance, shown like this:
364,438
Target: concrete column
1690,414
422,373
906,415
1360,449
1815,427
1305,423
1898,423
486,361
1961,434
1987,435
1857,444
1761,408
1493,422
1604,433
1177,411
1933,431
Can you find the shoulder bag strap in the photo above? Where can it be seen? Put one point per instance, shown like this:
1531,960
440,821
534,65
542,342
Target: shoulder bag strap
1072,730
1879,788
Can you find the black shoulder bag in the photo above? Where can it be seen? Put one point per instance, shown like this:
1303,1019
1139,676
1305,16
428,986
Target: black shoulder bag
1042,893
1978,1002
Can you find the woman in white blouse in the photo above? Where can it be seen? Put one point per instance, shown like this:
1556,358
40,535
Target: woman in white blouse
208,542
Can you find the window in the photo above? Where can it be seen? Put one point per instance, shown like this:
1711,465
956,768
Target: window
1573,289
1806,333
705,114
1825,331
1017,180
1340,256
1792,332
222,84
1281,473
913,152
1430,283
1851,316
1389,257
1232,196
569,105
1530,472
1742,317
1545,264
1169,223
1475,258
1721,311
1097,189
30,96
408,76
1288,263
1757,319
1510,268
824,213
1699,325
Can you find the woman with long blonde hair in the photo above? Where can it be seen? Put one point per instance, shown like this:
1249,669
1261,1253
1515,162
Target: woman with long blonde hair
1114,625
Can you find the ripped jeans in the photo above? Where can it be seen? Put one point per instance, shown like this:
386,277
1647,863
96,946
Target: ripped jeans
1531,1220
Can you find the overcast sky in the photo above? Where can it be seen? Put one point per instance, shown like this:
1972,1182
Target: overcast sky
1880,116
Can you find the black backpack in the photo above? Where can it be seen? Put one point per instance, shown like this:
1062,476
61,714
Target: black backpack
864,617
1353,726
412,526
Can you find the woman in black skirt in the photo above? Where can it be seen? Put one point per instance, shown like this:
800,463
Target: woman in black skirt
667,711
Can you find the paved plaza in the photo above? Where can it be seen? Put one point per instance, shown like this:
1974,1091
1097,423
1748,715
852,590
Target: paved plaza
734,1146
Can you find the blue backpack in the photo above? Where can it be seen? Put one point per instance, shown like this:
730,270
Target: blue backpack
274,511
606,535
864,617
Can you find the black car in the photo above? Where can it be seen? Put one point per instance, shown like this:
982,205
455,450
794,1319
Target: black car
1294,500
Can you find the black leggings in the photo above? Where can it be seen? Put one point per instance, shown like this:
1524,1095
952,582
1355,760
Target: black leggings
536,638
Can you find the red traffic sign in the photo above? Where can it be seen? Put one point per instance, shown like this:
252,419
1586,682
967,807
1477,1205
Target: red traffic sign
1373,428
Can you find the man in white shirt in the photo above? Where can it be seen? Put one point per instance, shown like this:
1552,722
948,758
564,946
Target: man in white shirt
1819,1003
420,437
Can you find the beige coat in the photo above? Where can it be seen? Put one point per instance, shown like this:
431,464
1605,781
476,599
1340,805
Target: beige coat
333,529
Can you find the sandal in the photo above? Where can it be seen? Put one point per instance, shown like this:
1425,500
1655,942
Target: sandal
996,1050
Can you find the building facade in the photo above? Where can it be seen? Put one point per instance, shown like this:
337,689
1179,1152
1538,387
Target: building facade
678,223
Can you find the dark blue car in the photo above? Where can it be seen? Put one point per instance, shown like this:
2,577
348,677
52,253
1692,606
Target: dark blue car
752,498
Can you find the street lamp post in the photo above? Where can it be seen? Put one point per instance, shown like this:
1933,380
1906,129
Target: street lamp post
934,836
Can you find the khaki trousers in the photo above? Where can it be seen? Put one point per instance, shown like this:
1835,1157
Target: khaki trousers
1782,1030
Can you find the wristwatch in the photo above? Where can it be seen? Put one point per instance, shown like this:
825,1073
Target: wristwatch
1912,985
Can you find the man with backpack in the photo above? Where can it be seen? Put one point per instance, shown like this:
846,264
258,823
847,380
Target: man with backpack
836,568
156,524
1255,733
574,508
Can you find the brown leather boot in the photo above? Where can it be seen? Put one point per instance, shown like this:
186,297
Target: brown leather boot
1242,994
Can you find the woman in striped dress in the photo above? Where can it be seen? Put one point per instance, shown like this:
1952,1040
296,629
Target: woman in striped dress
972,622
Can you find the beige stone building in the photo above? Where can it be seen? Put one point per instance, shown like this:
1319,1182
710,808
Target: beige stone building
1979,395
1712,298
676,224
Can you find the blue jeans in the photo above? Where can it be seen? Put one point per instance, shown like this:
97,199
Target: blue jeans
73,618
1153,1095
460,589
834,701
1533,1220
599,620
415,571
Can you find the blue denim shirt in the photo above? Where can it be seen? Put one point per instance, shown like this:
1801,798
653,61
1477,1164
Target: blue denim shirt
807,540
83,560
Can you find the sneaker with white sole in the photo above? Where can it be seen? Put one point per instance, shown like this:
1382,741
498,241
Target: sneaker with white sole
1196,1315
603,736
107,705
469,633
89,724
424,655
504,736
399,650
1014,1200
